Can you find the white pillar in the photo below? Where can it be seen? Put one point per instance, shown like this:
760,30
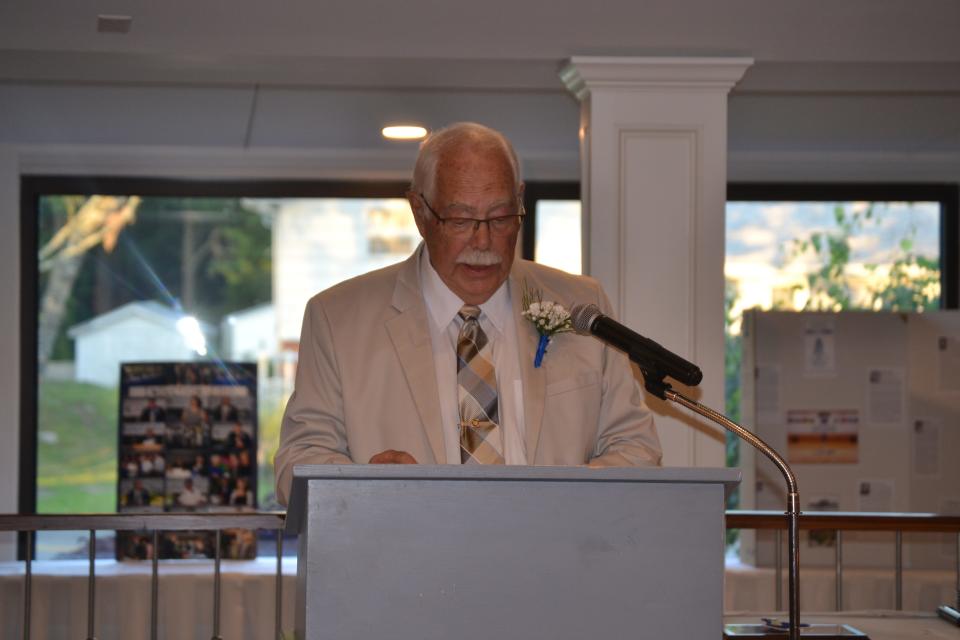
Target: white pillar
653,144
9,342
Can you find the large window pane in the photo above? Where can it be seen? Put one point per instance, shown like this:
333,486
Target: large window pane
558,235
118,272
829,256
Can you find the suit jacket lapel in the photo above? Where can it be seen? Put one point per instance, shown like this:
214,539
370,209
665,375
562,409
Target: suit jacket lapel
411,339
534,380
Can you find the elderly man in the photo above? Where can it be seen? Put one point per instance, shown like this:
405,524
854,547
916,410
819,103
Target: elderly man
431,361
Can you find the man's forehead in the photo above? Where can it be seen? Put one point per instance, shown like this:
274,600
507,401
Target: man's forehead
475,175
473,151
500,203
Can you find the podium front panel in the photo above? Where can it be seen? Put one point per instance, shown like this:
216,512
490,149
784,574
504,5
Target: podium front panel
579,554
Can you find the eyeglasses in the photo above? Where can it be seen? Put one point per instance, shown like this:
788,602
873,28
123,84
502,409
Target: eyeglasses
465,227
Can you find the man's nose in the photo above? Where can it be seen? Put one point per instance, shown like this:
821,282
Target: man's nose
481,235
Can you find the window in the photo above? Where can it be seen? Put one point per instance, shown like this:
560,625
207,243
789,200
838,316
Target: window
120,264
110,261
552,230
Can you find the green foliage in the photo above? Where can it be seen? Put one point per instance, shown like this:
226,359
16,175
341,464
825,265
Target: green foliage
905,291
240,258
913,282
830,288
912,285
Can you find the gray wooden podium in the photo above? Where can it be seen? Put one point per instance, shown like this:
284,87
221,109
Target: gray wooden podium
444,552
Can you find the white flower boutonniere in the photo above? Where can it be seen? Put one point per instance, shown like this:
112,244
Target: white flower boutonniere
550,318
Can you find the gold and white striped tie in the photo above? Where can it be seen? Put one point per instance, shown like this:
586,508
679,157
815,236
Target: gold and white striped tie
480,439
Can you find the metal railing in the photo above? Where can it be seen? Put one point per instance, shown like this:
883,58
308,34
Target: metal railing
154,523
897,523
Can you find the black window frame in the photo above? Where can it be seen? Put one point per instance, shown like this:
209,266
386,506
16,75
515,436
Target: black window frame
32,187
533,192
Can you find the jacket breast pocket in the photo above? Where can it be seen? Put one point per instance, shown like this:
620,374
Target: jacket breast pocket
572,383
571,413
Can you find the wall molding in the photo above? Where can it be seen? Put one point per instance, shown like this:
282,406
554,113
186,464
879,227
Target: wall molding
842,166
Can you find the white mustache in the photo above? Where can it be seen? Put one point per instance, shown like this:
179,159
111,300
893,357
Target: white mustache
479,257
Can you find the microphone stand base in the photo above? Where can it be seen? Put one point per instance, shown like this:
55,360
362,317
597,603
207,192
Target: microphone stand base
949,614
819,631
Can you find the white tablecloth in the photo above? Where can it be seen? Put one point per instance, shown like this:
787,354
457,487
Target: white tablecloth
751,589
59,599
247,598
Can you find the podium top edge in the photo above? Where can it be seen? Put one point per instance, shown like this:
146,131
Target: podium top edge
303,474
698,475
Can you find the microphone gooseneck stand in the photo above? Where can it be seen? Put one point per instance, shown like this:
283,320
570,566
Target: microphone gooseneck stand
654,383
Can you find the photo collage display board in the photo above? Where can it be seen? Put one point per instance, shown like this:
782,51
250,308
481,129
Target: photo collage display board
187,443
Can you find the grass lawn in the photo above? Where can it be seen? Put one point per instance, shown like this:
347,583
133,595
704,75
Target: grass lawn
77,448
271,408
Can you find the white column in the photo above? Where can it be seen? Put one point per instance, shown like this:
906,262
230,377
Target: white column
653,136
9,342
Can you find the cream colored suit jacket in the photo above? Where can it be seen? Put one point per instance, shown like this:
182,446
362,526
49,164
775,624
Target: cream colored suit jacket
366,380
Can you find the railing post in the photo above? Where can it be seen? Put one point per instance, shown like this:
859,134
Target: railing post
28,586
92,587
839,568
898,581
779,570
216,589
155,585
278,622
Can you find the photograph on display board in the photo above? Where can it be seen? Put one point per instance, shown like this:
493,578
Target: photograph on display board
187,443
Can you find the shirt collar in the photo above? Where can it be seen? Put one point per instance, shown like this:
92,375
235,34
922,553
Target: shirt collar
443,304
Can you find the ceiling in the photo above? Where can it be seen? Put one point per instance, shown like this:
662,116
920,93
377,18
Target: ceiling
318,78
497,44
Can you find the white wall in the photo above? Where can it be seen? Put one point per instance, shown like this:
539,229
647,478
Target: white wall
9,339
198,133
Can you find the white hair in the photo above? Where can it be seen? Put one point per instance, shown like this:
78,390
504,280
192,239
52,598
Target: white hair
449,139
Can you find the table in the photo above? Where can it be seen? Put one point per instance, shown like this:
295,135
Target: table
247,599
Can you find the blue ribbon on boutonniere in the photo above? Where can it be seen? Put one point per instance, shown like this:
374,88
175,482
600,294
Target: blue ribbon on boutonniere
541,350
549,318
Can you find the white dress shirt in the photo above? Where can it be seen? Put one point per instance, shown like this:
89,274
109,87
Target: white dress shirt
496,320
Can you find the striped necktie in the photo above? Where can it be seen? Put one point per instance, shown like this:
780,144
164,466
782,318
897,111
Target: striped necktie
480,438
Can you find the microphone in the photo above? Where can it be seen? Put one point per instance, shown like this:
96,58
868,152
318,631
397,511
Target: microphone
649,356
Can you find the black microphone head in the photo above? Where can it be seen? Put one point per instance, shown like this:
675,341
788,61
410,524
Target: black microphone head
582,317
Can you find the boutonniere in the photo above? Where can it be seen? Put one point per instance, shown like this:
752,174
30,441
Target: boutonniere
550,318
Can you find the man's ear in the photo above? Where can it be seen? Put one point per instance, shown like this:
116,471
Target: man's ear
416,206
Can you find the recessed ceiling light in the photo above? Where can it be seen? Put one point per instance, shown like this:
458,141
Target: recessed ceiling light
108,23
404,132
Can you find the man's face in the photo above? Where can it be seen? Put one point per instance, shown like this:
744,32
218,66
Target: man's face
476,184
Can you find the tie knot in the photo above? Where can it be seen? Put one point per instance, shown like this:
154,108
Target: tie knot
469,312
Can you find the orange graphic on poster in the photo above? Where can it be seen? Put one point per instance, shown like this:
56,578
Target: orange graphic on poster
828,436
